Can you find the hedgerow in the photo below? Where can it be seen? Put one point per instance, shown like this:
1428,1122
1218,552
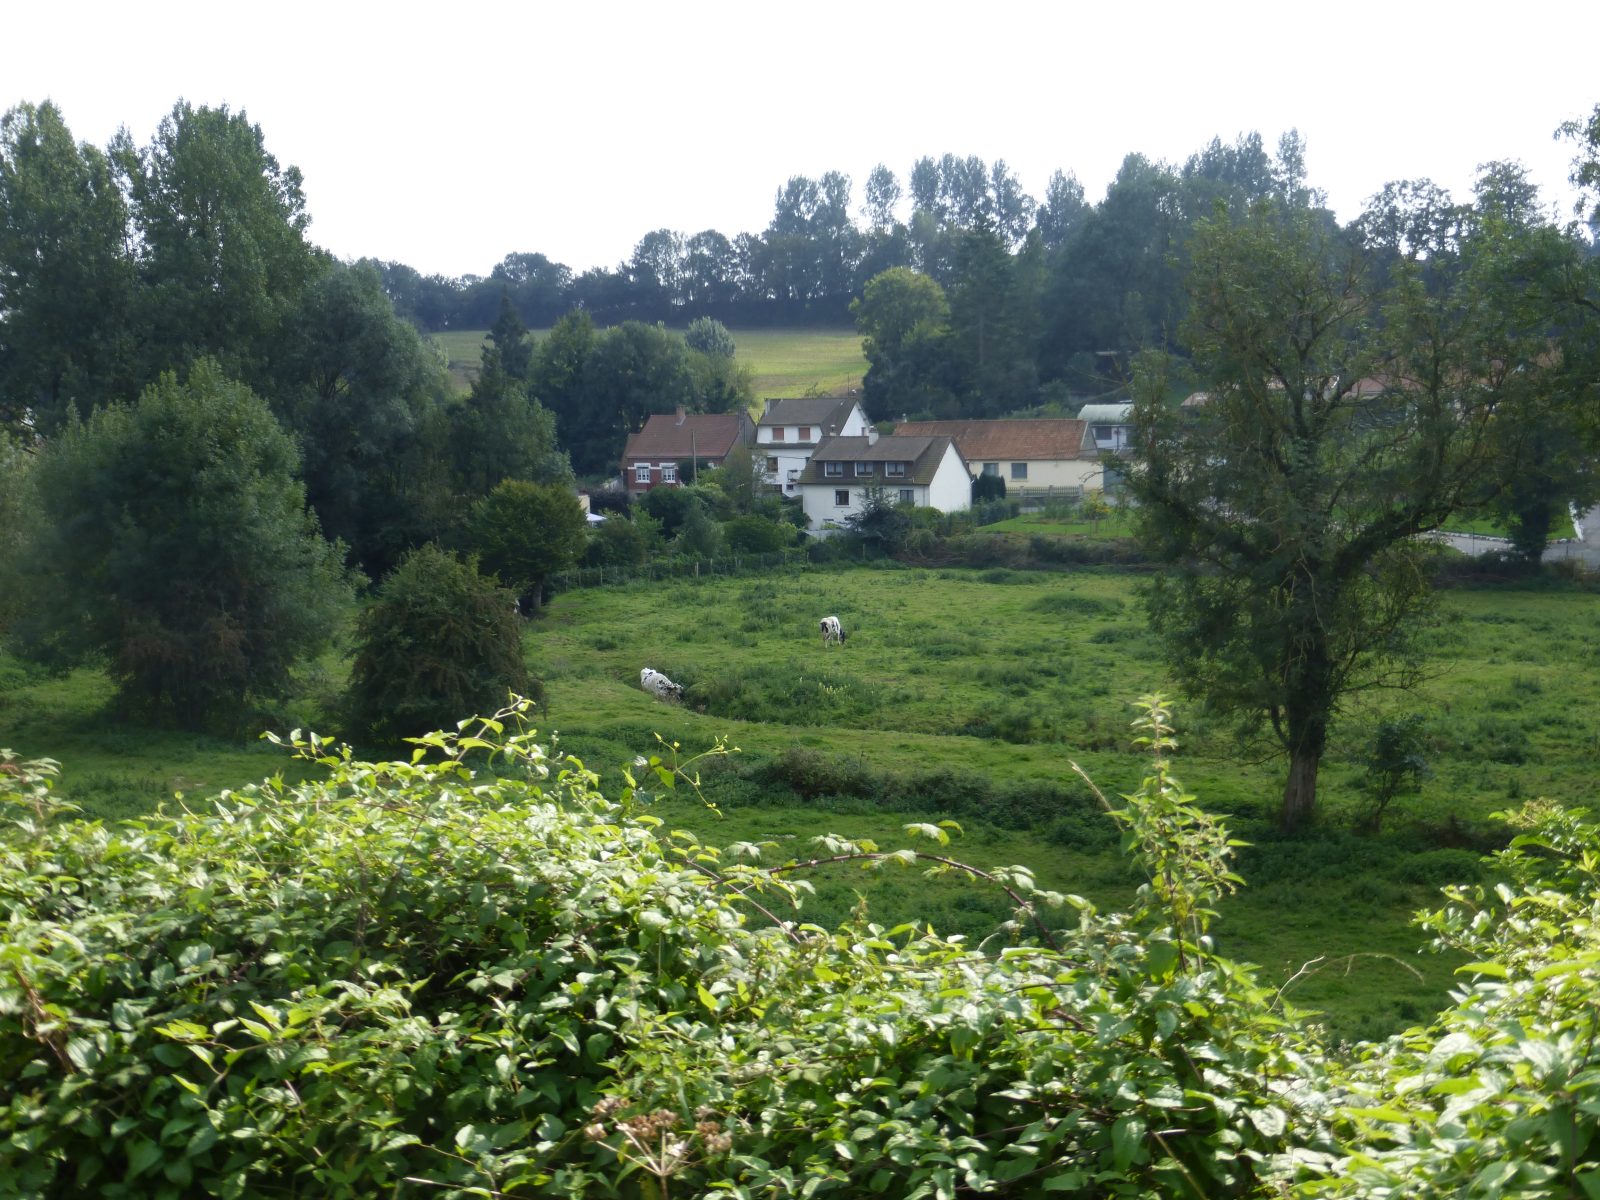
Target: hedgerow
471,974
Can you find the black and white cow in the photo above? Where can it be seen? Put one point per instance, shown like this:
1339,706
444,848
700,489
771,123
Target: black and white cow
832,631
659,686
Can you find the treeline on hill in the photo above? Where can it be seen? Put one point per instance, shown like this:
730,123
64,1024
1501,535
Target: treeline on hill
1041,292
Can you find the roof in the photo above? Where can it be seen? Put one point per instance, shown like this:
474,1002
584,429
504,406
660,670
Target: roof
922,456
1037,439
825,411
1106,414
680,435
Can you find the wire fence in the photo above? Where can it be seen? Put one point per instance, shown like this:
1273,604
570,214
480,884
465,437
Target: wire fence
677,568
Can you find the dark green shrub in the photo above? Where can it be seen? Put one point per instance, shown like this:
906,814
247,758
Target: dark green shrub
757,535
438,640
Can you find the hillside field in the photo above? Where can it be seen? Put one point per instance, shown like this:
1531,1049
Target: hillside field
969,694
785,362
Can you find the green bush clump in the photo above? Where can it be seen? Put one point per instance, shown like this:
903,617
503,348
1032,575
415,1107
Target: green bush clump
471,973
1070,604
438,639
795,694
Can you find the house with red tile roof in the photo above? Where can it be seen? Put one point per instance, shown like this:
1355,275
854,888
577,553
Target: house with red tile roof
653,455
1038,455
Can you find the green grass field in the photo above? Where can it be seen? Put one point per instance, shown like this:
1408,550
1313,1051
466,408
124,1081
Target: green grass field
785,362
1561,527
970,693
800,362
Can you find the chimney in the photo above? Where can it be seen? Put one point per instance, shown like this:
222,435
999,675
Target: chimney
872,435
681,415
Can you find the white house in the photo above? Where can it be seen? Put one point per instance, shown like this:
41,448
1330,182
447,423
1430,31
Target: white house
1110,427
789,431
1033,456
926,471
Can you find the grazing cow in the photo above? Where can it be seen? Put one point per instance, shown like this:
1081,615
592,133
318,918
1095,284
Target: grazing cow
659,686
832,631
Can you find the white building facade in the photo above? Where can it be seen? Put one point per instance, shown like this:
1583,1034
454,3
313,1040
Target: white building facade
790,430
928,472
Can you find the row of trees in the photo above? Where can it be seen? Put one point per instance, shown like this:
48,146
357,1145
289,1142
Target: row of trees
1103,270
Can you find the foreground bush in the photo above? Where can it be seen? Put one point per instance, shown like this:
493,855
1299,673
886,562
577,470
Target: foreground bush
471,974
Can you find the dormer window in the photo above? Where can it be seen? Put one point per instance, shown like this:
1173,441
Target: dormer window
895,470
804,433
863,468
777,433
833,468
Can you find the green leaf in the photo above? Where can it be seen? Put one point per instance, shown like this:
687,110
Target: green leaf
1127,1140
1069,1181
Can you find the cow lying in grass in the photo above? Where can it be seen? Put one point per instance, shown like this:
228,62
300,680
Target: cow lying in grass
832,631
659,686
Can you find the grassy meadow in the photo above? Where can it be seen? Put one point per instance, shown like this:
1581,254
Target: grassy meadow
784,362
969,694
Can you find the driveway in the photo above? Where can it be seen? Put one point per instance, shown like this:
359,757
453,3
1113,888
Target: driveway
1584,549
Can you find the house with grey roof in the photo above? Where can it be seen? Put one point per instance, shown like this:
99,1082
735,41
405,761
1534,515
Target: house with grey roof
789,430
928,472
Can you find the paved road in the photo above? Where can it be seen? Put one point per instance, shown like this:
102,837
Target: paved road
1585,550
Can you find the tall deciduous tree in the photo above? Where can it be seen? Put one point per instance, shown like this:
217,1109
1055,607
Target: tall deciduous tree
631,371
222,251
360,392
66,278
904,320
526,532
498,431
1344,418
1550,429
18,517
173,540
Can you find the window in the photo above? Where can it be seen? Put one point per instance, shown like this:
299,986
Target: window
895,470
842,499
669,472
777,433
833,468
772,464
863,469
804,433
641,472
1019,470
908,496
991,468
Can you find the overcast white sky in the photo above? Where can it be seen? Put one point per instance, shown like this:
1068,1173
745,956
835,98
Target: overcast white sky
449,135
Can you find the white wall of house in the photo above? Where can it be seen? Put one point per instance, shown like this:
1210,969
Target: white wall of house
783,450
783,467
832,501
821,502
951,488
